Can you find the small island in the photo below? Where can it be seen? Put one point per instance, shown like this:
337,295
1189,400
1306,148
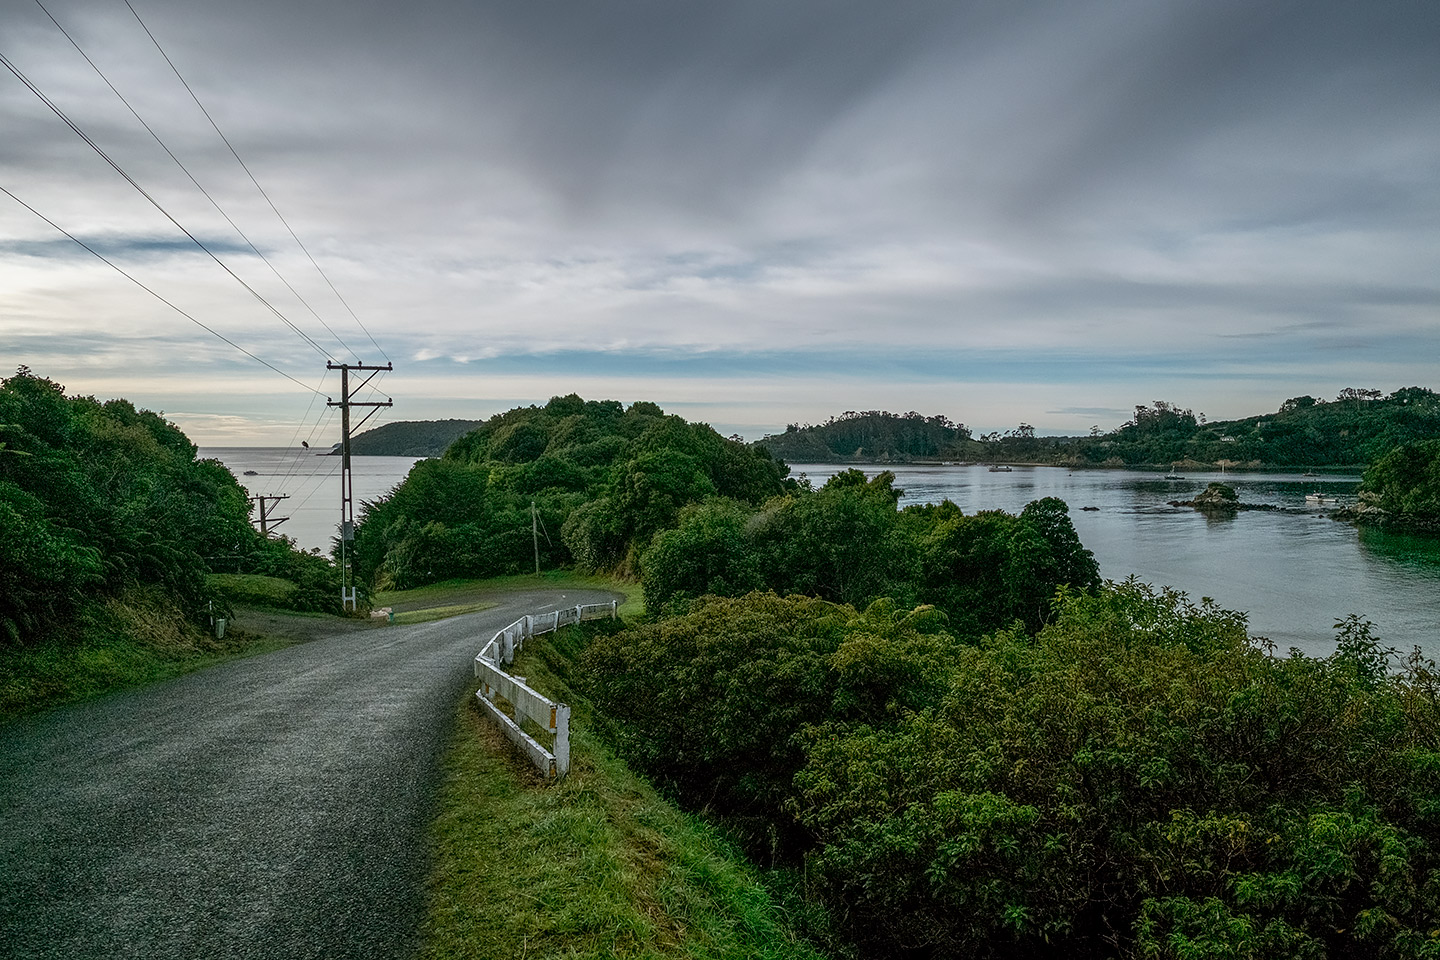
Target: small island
1221,498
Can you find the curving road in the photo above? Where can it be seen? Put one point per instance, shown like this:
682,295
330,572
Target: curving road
274,807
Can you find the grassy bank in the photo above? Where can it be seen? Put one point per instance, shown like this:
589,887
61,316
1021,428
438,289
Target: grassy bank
140,638
598,865
479,594
120,647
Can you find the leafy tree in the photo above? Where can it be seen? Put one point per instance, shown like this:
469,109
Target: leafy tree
100,501
1406,481
840,543
708,552
604,478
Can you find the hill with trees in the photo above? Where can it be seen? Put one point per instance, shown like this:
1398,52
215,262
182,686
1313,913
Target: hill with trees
1356,428
409,438
871,436
603,479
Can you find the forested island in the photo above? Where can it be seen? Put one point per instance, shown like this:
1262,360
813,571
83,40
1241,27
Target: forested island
871,436
1354,429
409,438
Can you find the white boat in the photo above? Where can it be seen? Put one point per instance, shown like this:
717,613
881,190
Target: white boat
1319,499
1000,468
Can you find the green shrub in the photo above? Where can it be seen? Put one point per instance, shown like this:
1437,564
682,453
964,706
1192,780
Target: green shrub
1137,779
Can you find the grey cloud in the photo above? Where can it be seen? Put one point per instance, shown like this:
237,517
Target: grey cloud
129,248
703,176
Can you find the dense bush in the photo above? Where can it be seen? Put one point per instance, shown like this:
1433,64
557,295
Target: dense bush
849,543
604,480
1136,780
1406,481
712,703
99,500
99,497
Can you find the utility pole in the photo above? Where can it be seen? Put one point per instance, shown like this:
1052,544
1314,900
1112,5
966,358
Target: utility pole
347,485
535,536
266,522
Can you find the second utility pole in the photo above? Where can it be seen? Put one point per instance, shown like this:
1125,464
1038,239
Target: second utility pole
347,483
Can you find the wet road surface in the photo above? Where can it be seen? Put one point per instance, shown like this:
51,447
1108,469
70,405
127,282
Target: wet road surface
273,807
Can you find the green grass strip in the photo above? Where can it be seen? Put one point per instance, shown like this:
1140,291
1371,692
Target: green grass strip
598,865
459,592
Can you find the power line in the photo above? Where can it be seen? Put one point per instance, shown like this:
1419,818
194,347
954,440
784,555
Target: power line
101,257
213,202
155,203
246,168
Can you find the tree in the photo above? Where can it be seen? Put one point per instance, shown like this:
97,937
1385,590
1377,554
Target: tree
1406,481
708,552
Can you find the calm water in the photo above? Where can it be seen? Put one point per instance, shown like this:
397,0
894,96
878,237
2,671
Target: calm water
313,483
1294,575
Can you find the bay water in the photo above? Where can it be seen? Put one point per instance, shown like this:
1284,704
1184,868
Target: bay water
1293,574
312,482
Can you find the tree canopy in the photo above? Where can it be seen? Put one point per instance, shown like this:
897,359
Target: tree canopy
99,499
869,436
603,478
1406,482
1135,779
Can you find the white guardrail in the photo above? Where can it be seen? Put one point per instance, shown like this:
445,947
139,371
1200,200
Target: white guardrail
526,701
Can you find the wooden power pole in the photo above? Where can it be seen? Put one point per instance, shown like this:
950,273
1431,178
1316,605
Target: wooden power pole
347,485
267,521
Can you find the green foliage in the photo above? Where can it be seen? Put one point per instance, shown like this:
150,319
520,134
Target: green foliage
707,552
1357,427
710,703
871,435
848,543
1406,481
1138,779
841,543
100,500
604,481
313,581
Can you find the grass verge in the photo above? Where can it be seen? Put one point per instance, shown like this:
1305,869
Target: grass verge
253,589
121,646
598,865
453,593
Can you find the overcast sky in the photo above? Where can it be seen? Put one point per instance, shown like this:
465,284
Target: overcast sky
751,213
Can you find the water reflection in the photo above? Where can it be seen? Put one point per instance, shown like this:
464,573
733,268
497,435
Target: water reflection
1414,553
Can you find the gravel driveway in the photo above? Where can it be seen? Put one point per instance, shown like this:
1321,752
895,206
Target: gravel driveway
274,807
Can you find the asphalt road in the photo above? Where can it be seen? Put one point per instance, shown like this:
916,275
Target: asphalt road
273,807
